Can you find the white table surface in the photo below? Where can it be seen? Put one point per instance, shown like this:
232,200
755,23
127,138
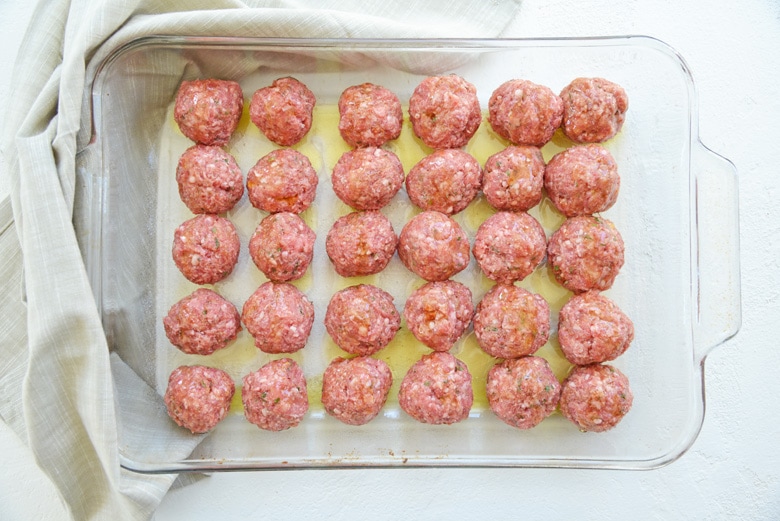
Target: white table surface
733,469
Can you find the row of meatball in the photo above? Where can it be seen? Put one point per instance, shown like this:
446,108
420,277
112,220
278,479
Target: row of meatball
580,180
437,390
585,253
509,321
444,111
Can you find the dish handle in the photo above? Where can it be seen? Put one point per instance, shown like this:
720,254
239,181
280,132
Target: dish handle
718,301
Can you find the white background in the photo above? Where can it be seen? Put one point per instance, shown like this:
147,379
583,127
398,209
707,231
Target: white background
733,469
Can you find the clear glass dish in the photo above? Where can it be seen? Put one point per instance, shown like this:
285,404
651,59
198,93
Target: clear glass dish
677,213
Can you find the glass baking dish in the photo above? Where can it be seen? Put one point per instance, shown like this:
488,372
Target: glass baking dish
677,213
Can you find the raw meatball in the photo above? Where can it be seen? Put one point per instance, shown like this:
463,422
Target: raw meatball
582,180
593,329
275,396
433,246
586,253
207,111
282,246
198,397
525,113
355,390
445,181
444,111
279,317
209,179
595,397
283,111
361,243
205,248
438,313
523,391
593,109
437,389
202,322
367,178
509,246
511,322
282,181
513,178
369,115
362,319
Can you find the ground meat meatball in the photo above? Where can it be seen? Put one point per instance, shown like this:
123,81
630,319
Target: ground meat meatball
361,243
511,322
525,113
445,181
593,329
279,317
362,319
283,111
202,322
509,246
282,246
438,313
433,246
513,178
367,178
282,181
275,396
355,390
523,391
198,397
205,248
595,397
437,390
209,179
582,180
444,111
586,253
369,115
593,109
207,111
